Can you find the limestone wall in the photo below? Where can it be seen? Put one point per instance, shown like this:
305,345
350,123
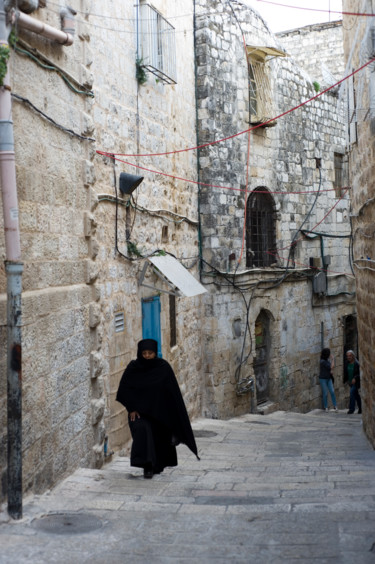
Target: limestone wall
74,281
318,49
57,304
294,161
357,42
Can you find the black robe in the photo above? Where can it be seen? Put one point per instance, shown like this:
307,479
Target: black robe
150,388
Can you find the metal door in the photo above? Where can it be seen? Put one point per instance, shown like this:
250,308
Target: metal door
151,320
261,360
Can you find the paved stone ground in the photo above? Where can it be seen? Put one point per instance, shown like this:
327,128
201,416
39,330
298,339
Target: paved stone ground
280,488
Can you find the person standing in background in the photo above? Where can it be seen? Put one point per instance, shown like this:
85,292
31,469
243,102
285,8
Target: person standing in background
325,379
353,378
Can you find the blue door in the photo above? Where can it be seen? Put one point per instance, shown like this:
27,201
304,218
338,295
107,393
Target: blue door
151,320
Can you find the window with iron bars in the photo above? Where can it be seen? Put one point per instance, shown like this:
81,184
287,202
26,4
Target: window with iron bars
156,44
260,229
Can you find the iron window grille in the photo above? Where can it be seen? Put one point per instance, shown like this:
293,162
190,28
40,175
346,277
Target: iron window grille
260,229
157,45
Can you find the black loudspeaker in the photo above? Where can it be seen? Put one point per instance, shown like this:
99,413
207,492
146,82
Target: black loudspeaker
129,182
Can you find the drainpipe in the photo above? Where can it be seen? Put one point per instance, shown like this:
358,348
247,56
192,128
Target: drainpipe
13,264
24,21
13,268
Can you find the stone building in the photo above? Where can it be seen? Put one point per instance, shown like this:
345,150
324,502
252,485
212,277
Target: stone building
276,237
359,44
87,297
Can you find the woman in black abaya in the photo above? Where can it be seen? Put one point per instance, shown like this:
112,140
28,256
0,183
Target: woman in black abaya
157,415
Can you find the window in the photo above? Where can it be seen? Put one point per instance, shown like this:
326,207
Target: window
340,180
260,91
156,44
260,229
172,321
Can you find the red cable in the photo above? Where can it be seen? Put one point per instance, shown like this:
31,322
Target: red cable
321,221
110,153
204,183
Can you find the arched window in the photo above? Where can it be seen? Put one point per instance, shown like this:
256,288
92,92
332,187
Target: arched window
260,228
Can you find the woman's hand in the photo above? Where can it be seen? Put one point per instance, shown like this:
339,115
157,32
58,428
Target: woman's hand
134,415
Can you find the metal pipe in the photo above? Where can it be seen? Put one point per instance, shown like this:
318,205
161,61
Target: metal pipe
14,388
27,22
13,268
7,159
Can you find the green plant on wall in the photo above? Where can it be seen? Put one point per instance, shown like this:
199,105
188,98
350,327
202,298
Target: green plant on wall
12,39
4,57
140,71
316,86
133,249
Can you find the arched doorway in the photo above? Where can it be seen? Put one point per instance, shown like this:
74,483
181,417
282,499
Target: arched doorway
262,356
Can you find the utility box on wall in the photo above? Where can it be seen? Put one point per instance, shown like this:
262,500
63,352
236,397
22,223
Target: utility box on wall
320,283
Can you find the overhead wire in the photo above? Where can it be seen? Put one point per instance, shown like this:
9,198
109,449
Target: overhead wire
318,95
51,120
341,12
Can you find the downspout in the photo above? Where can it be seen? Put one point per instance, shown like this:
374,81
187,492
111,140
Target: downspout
13,269
24,21
200,244
13,264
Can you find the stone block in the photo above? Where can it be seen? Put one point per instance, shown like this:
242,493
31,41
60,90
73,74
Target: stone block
97,410
88,173
96,364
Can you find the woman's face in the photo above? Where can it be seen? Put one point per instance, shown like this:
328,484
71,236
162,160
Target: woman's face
148,355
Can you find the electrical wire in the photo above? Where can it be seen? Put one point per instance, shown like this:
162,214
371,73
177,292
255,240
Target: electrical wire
31,105
155,213
358,14
50,67
106,153
190,14
188,180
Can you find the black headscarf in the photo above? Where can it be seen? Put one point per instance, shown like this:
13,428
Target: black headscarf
149,386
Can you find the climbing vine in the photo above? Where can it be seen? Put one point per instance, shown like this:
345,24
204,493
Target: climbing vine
4,57
140,71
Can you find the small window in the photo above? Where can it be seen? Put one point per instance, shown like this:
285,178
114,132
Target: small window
164,234
156,44
172,321
260,229
261,106
340,174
